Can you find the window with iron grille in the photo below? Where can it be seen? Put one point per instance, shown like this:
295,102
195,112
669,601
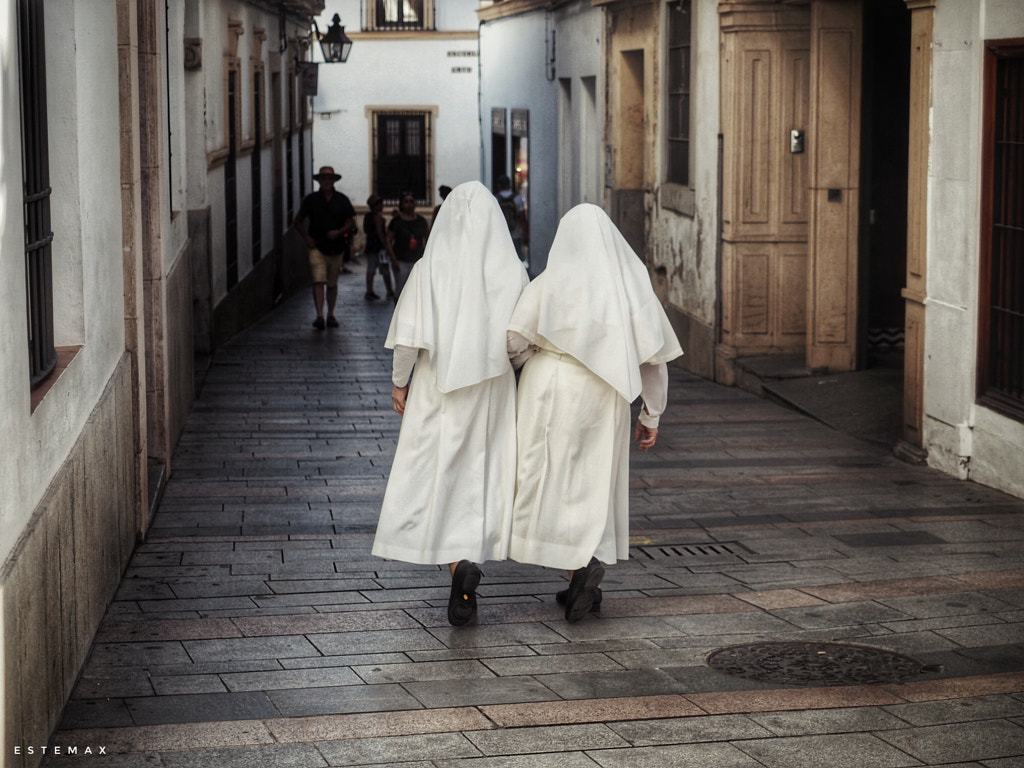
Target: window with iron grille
677,99
1001,319
399,14
36,171
401,156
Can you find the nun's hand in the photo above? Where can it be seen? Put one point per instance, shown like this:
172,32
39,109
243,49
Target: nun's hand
398,395
645,436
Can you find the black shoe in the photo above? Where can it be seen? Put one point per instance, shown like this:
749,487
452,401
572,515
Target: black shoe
370,296
462,601
582,591
319,324
332,321
595,608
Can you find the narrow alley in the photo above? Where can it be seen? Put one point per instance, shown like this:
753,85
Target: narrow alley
253,628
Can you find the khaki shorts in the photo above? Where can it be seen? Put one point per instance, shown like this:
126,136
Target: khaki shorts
325,267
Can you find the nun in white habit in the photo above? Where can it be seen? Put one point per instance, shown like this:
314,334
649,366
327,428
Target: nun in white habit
449,494
593,336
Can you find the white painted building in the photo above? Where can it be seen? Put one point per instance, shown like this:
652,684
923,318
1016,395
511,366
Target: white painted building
401,113
144,186
541,102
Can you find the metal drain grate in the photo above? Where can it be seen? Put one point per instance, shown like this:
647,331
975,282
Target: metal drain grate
672,551
797,663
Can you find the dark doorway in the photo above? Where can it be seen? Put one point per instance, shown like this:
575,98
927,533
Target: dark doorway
883,247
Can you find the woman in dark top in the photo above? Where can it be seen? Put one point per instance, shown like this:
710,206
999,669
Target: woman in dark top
375,248
407,236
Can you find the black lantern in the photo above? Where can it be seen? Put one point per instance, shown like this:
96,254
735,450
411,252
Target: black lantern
335,44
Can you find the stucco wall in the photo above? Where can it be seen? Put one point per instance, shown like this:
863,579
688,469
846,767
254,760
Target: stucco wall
962,438
69,559
87,258
684,224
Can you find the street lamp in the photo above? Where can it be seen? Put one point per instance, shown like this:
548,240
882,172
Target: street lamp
335,44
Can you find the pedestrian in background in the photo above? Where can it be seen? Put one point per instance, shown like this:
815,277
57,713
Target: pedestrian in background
407,237
513,207
374,249
331,219
591,336
450,491
444,190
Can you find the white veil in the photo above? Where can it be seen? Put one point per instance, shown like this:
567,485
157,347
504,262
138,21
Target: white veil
460,295
594,301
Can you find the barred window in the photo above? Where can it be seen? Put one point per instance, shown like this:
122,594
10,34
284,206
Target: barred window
36,172
401,156
677,100
1001,342
399,14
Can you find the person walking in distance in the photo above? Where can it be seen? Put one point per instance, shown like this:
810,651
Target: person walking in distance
330,218
591,336
407,237
513,207
450,490
375,249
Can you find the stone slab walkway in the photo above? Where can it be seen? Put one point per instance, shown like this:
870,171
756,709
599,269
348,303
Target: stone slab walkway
254,628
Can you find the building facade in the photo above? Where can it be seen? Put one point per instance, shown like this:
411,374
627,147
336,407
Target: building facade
400,115
805,183
145,186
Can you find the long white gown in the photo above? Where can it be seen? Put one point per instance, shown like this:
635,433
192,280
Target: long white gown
602,340
450,491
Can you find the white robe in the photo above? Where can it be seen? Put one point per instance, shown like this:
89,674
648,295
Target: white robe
603,339
449,495
453,478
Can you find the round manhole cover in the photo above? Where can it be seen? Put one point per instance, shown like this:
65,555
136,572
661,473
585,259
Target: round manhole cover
814,664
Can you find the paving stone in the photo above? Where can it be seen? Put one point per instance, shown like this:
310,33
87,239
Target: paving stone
179,684
952,742
476,692
95,713
853,720
287,646
633,682
338,700
397,749
832,751
293,678
520,741
547,665
376,641
677,756
277,755
199,708
689,730
549,760
422,671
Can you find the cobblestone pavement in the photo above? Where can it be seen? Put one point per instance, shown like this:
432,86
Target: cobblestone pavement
254,628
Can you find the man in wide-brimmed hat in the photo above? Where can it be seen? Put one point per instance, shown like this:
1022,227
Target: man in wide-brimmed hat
331,220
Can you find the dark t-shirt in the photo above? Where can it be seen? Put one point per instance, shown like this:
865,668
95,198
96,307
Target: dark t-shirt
373,243
410,237
324,215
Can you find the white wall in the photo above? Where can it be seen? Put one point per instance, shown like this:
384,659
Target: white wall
513,74
389,72
82,99
962,438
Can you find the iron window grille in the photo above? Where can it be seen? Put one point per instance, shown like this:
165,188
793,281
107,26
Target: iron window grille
401,156
399,15
37,191
678,93
1001,316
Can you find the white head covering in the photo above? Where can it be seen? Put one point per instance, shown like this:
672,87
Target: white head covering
460,295
594,301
